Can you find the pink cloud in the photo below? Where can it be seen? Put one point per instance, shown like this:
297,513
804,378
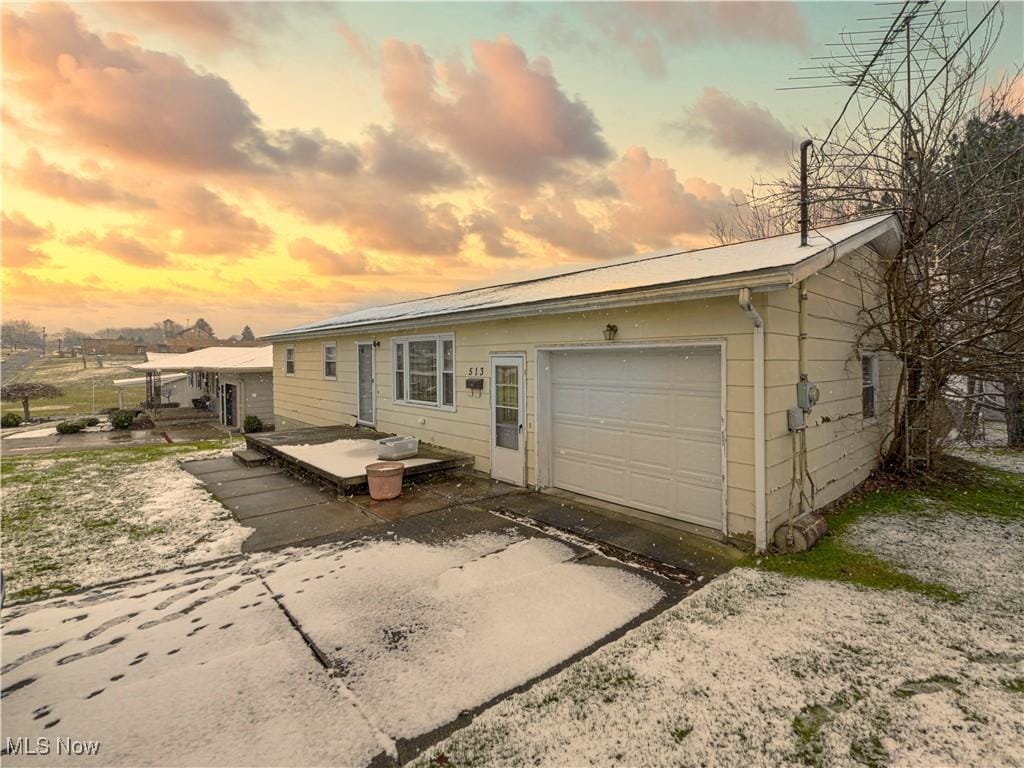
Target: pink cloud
656,207
355,45
506,117
113,97
736,128
647,29
402,160
53,181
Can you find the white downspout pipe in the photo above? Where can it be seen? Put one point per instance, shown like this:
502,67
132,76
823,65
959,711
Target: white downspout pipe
760,506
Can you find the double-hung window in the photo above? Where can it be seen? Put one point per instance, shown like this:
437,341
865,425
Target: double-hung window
425,370
289,361
330,361
869,386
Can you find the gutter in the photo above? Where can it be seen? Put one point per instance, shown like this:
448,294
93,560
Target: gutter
760,501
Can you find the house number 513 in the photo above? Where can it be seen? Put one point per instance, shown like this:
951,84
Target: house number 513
475,372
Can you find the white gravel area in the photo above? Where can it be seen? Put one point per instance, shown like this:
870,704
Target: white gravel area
762,669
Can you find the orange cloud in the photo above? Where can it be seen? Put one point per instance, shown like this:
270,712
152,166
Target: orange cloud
20,238
121,247
53,181
323,261
656,207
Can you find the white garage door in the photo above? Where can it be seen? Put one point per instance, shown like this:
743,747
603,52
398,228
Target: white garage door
640,427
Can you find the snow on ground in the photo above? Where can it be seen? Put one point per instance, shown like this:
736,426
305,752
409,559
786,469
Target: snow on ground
77,519
763,669
187,668
203,666
995,458
343,458
423,632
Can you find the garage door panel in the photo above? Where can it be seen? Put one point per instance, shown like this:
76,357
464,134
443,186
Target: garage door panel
605,443
654,493
641,428
653,408
608,404
571,437
608,481
704,458
655,451
568,400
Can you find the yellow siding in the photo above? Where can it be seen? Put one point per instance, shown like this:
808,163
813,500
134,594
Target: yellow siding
256,395
306,399
842,448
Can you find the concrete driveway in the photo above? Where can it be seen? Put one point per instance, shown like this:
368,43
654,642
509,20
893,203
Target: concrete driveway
363,650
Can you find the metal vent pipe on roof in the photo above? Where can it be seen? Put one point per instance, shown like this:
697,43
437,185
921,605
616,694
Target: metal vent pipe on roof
805,220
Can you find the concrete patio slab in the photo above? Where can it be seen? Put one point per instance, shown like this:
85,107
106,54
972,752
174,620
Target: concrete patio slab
429,459
415,500
470,487
230,489
205,466
259,504
240,473
295,526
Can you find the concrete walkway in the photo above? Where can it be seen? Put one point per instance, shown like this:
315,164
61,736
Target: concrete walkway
359,652
285,511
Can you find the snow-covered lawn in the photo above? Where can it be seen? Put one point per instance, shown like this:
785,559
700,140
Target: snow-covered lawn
76,519
765,669
1005,459
204,666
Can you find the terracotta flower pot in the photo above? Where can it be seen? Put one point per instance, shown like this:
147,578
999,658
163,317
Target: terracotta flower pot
385,479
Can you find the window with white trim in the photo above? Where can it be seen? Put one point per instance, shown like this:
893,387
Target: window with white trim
289,361
424,369
869,386
330,361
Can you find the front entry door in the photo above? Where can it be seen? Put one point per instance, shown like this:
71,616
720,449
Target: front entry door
508,419
365,378
227,416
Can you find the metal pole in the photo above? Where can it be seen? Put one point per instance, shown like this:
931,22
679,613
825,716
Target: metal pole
804,218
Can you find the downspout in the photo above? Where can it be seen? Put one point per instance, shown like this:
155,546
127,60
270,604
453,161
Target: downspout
760,506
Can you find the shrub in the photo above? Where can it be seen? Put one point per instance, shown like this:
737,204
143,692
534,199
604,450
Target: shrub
11,420
70,427
252,424
92,421
122,419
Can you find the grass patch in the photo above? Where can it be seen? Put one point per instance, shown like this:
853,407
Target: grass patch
961,488
83,388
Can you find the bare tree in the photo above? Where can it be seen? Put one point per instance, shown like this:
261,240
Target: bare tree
927,136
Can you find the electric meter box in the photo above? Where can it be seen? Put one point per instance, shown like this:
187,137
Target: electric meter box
806,395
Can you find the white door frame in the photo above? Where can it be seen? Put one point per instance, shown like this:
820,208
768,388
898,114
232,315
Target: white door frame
542,397
373,384
519,359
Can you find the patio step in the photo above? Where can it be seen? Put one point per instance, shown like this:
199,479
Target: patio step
249,458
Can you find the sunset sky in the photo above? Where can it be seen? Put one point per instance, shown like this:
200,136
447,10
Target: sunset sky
272,164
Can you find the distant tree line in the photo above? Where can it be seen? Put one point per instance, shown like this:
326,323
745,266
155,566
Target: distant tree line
23,334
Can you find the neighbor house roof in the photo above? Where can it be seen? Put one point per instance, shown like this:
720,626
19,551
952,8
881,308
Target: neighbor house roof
214,359
140,381
161,357
765,264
